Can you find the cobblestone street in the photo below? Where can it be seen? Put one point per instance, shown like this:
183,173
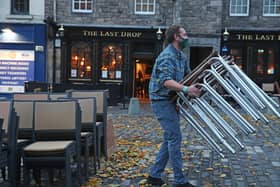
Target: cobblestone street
138,138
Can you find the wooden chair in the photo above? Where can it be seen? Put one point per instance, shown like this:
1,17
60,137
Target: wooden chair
101,115
9,137
57,128
88,113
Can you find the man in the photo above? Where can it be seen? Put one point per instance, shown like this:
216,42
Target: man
170,67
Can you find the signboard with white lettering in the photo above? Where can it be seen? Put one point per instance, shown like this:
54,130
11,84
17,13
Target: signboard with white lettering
16,67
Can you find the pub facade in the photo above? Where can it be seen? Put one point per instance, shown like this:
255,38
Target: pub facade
254,39
113,45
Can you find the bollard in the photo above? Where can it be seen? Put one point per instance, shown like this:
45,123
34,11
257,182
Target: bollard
134,106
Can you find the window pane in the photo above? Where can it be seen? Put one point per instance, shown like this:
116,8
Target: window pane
270,62
82,5
20,7
237,56
111,62
144,6
81,63
260,61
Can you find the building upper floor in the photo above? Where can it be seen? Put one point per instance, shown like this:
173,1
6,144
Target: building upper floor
22,11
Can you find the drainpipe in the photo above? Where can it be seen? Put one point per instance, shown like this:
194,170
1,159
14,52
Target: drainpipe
54,50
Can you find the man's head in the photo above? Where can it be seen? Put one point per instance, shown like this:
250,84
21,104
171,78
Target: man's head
177,35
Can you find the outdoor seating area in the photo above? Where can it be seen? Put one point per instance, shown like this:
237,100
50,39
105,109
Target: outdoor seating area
52,134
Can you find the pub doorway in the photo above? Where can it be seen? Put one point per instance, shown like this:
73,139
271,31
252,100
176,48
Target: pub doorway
142,75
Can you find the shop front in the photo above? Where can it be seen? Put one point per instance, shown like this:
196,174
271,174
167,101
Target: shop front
22,56
257,54
118,59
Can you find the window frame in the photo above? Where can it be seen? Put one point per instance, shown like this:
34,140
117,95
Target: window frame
81,10
81,51
25,3
271,6
117,49
144,12
239,14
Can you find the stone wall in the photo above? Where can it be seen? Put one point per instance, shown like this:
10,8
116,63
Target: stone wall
255,20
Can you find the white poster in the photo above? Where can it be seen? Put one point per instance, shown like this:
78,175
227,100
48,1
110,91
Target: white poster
16,67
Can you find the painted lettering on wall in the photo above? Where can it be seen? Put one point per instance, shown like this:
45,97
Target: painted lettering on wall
258,37
112,34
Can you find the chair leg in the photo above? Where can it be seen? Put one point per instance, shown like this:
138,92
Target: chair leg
94,155
26,176
68,173
86,160
37,176
3,170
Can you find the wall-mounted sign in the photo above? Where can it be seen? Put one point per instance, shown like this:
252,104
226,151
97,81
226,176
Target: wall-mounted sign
16,67
256,37
112,34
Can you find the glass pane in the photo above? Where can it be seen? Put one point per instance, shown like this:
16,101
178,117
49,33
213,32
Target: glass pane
111,62
270,62
260,61
138,8
145,8
237,56
81,64
83,6
151,8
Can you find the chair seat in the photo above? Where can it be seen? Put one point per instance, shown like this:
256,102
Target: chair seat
43,148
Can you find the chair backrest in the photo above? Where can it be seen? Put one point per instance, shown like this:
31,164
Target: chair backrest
100,95
10,126
57,95
88,111
1,134
6,108
31,96
24,109
59,120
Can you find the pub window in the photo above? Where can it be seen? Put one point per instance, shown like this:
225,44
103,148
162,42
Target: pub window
144,6
265,62
237,56
239,8
81,63
82,6
111,62
271,7
20,7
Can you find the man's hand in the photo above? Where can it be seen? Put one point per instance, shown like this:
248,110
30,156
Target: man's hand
193,91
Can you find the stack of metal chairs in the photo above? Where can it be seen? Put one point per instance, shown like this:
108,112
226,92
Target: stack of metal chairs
213,116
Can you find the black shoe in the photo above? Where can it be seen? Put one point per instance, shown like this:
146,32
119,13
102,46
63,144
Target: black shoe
155,181
184,185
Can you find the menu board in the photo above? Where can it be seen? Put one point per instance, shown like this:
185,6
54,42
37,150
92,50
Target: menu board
16,67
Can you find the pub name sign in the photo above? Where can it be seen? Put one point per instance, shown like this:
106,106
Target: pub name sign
257,37
112,34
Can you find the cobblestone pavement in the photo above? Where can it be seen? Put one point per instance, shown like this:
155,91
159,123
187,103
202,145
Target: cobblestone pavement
139,137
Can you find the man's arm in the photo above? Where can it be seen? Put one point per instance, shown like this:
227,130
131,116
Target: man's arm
175,86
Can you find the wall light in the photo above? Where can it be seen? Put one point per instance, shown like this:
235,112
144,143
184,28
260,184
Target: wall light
159,34
61,31
7,30
225,35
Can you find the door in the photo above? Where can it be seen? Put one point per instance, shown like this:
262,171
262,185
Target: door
142,75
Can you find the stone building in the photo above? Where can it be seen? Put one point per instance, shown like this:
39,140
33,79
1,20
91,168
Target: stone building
254,38
110,42
94,44
22,44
